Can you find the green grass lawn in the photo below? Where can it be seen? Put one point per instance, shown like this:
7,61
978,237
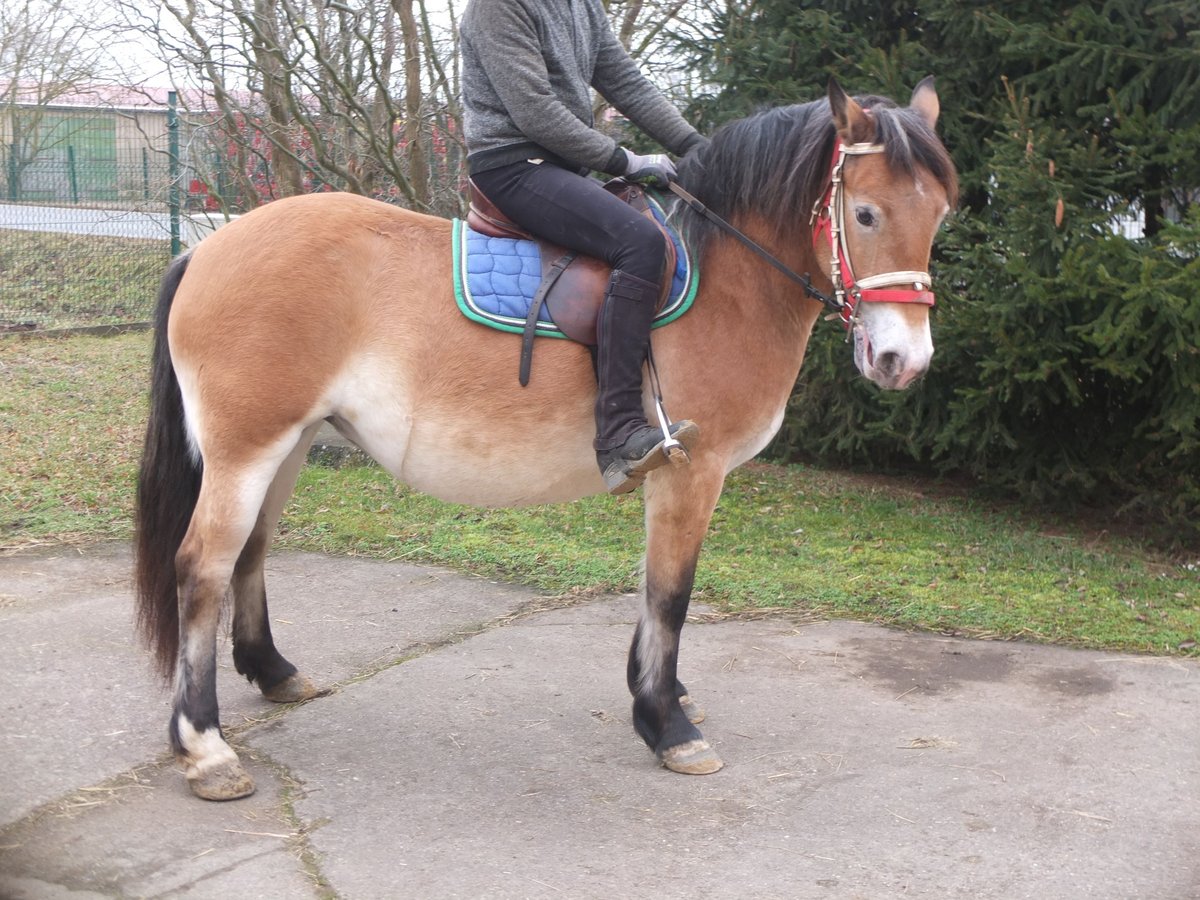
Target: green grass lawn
903,552
58,280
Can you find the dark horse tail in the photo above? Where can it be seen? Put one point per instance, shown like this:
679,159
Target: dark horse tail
168,485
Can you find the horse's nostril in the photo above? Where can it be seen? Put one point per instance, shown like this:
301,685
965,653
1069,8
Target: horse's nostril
890,364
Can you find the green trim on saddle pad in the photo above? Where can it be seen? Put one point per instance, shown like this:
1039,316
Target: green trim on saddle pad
676,306
466,303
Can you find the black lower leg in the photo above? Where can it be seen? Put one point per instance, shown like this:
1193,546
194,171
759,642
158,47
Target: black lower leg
254,653
195,704
259,661
651,671
195,711
633,671
660,721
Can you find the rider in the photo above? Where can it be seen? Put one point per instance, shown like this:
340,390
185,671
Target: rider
528,66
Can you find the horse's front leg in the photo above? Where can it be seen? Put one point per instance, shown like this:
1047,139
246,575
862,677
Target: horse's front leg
679,504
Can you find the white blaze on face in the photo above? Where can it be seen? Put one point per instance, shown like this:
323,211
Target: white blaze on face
892,341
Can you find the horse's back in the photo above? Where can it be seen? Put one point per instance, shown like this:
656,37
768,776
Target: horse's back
333,247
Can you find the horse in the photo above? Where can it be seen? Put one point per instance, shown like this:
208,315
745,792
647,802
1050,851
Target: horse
337,308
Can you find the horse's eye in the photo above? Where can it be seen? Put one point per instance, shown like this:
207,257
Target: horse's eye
864,216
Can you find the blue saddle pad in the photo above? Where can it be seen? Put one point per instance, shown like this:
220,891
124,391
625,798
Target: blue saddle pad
495,280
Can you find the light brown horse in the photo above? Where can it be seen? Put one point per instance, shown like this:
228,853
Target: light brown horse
335,308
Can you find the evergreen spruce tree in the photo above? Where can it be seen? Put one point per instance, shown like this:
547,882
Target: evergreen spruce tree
1067,363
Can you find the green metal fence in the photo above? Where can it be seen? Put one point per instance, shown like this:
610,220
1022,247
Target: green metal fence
89,215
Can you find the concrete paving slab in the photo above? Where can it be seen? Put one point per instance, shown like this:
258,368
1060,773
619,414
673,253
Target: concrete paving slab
861,762
86,705
144,836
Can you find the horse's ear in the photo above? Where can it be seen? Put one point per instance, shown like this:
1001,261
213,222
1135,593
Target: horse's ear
853,125
925,101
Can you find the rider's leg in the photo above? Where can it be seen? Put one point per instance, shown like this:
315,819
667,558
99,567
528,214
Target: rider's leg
627,448
576,212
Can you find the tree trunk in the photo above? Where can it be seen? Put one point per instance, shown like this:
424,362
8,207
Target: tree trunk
268,56
418,161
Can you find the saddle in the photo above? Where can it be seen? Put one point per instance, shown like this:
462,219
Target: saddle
573,285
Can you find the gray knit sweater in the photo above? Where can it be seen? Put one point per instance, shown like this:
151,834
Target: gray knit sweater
527,69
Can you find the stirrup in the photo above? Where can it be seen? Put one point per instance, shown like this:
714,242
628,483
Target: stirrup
672,448
623,474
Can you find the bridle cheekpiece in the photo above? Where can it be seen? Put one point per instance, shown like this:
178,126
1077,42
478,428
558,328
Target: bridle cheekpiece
829,220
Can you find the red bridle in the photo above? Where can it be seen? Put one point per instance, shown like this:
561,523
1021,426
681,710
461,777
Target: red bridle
828,218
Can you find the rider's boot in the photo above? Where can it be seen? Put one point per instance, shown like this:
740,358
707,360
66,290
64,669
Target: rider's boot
627,448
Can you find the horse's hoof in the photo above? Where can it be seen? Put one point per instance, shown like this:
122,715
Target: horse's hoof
226,780
292,689
692,758
693,710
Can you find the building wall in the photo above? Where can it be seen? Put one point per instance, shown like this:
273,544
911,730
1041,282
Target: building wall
84,156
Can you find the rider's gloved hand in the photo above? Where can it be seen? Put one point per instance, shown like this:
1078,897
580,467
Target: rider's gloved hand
655,170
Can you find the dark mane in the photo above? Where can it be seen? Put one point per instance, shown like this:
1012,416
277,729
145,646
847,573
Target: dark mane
776,163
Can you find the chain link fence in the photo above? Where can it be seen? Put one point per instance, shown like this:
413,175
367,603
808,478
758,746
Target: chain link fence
96,197
85,215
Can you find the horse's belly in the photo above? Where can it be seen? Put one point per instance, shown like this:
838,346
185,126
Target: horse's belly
481,461
448,418
515,475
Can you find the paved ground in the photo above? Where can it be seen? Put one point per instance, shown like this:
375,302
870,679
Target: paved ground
126,223
477,744
78,220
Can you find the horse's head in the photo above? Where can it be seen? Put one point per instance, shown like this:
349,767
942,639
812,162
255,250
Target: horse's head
891,184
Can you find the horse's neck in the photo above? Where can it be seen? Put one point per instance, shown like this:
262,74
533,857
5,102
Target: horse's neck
751,290
746,341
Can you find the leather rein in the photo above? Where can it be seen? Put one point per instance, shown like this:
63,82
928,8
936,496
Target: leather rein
828,219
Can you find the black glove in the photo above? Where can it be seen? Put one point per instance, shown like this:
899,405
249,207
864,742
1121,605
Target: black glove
655,170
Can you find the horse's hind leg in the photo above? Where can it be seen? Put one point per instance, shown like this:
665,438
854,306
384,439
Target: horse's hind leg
231,498
679,504
254,651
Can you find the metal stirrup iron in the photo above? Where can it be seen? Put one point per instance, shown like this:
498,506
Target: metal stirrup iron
672,449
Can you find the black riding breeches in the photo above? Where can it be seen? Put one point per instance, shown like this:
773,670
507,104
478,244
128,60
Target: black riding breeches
576,212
